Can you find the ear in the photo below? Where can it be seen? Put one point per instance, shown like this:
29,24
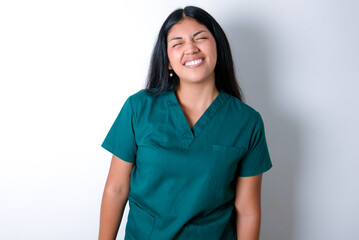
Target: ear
170,66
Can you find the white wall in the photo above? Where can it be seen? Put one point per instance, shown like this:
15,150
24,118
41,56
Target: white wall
66,68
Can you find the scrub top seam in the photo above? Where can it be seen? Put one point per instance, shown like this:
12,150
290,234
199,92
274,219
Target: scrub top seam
189,135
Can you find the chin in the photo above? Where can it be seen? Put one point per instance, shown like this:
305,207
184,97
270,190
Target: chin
195,78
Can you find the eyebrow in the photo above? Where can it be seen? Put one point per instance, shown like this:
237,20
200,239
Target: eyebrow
195,34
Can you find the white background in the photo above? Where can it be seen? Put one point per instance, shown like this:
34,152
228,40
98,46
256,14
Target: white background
66,68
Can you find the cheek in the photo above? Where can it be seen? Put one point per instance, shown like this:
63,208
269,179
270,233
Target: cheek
212,54
173,57
211,50
214,49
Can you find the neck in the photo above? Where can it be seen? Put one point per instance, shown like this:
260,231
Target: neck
196,96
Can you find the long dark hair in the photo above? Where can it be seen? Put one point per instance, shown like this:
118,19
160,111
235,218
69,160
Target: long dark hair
158,78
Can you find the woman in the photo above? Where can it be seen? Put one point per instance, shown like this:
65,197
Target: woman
188,154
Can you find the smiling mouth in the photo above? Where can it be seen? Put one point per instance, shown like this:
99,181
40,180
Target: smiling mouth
194,63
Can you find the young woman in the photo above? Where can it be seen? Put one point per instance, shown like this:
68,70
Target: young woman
188,154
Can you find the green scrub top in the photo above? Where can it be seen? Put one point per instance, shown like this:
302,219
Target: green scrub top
183,180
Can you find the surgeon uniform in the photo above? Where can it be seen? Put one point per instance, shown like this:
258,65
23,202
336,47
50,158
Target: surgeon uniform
183,179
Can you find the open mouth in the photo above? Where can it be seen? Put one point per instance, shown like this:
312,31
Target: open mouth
194,63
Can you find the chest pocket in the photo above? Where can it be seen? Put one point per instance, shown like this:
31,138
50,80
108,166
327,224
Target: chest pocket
223,166
225,159
140,223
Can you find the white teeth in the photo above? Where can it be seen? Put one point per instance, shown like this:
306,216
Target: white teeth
194,62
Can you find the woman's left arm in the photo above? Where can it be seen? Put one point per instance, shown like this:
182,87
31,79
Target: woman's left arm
248,207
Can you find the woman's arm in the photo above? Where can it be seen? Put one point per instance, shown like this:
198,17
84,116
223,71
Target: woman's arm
114,198
248,207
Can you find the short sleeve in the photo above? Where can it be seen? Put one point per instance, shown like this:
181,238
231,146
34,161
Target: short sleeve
257,159
120,140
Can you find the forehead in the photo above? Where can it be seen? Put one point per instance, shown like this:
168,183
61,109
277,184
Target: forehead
187,26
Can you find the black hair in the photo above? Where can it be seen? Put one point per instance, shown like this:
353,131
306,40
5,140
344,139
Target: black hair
158,78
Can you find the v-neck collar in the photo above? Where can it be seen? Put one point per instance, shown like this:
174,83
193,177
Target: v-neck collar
190,134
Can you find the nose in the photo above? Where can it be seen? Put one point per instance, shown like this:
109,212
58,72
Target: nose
191,48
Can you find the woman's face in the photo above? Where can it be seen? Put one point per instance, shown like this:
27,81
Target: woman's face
192,51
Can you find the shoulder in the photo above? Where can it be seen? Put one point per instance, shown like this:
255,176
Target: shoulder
143,100
143,96
241,109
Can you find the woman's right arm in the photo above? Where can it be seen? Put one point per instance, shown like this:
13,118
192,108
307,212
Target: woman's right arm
114,198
